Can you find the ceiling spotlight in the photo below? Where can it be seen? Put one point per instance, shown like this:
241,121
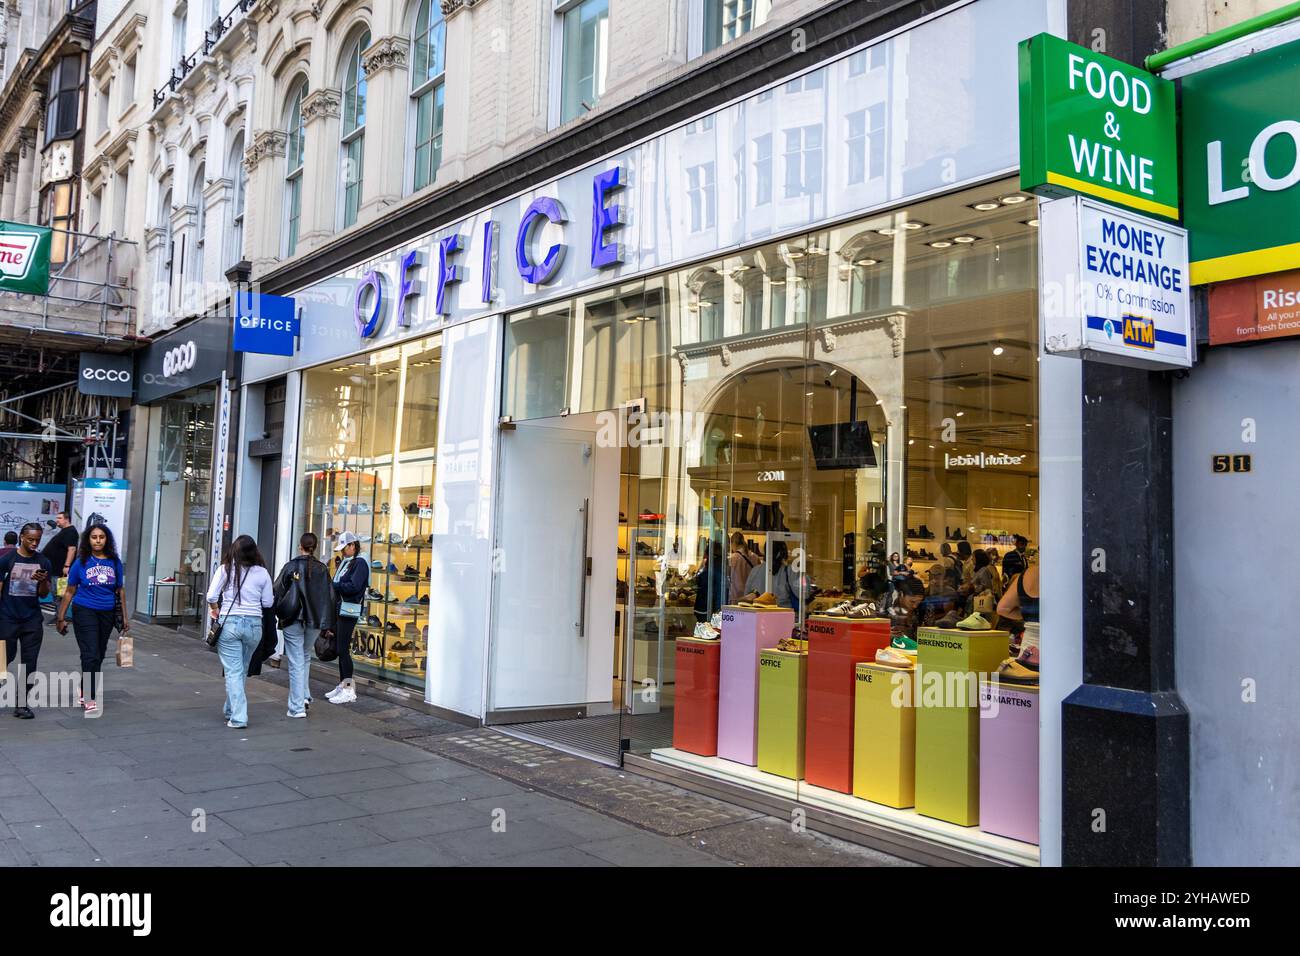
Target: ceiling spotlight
998,350
1031,223
960,414
866,262
911,441
939,244
986,206
964,239
887,232
1014,199
912,224
809,394
778,282
742,268
816,250
739,435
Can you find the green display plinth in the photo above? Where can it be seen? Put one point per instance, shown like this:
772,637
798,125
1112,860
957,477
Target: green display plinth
782,691
884,735
950,664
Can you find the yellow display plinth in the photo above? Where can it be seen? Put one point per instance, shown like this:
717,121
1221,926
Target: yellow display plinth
950,664
782,693
884,735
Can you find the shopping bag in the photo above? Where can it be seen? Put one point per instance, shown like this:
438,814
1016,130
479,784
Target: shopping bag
126,651
984,603
60,585
4,663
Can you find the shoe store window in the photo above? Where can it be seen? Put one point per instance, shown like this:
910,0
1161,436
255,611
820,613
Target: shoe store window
177,513
798,448
367,456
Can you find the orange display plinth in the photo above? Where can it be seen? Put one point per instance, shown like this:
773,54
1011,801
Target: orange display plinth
835,647
695,715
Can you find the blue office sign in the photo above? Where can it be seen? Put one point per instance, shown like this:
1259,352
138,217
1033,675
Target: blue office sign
267,324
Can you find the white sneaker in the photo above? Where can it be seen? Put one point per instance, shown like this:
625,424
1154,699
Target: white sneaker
301,713
334,693
346,695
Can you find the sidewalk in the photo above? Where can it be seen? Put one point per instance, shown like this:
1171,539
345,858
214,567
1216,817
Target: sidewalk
159,780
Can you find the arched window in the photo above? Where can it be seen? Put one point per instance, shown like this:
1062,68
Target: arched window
354,129
428,63
293,161
239,178
195,270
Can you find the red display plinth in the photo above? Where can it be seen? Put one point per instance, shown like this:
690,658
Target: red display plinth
835,647
695,713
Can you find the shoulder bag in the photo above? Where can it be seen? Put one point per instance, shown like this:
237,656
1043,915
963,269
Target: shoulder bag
350,608
289,606
214,628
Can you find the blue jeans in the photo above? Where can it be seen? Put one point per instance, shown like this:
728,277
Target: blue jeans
299,639
240,636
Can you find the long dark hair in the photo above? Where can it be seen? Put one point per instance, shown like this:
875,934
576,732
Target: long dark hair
241,555
84,551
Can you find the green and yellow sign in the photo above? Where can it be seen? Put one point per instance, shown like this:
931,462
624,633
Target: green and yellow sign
1091,124
24,258
1241,165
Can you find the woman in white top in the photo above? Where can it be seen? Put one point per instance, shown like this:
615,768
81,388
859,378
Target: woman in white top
240,589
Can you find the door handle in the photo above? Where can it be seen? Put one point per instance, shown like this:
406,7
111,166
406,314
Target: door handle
583,564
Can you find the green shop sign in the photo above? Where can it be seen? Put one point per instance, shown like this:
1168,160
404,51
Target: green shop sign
1093,125
24,258
1241,165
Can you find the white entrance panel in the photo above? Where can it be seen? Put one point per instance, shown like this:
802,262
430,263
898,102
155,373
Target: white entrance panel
1238,661
542,628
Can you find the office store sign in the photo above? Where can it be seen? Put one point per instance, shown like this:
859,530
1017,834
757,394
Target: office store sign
1093,125
1113,286
1241,165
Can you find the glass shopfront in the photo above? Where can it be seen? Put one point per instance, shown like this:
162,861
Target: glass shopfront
178,517
367,455
781,422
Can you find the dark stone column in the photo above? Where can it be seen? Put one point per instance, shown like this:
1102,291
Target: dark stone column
1125,746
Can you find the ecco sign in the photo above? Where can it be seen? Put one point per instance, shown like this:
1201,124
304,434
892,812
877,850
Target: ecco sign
1241,165
179,359
1091,124
102,374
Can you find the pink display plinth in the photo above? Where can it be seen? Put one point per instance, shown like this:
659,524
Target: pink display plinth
745,632
1009,761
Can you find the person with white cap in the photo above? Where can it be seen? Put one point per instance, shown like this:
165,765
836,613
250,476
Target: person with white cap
350,582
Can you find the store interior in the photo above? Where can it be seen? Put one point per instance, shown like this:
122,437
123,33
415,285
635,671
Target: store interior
368,454
855,392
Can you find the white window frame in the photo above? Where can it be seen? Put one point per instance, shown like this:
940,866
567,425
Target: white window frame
697,20
347,137
294,176
126,91
238,196
802,155
702,194
414,94
555,108
771,169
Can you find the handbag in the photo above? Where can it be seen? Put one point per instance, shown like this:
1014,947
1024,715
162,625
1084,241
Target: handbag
214,628
325,649
289,607
350,608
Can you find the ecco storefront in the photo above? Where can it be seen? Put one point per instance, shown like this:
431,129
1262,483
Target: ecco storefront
806,322
181,432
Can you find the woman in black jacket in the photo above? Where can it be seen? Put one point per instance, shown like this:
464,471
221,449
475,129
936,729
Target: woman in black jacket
350,582
304,606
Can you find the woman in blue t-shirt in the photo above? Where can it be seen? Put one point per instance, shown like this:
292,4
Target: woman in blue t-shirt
95,591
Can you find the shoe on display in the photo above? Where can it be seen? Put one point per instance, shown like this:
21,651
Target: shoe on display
839,610
860,611
391,628
1011,671
376,565
948,621
374,595
903,643
412,600
372,621
392,568
704,632
394,538
363,508
892,657
424,599
975,622
170,579
767,599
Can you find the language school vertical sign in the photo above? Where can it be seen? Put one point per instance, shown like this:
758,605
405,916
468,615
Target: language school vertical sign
24,258
1094,125
1113,286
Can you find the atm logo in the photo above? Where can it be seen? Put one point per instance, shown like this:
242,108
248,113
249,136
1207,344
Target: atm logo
1139,333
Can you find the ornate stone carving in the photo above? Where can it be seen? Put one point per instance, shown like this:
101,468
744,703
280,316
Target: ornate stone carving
267,142
725,355
683,360
26,140
827,338
896,333
454,6
321,103
387,53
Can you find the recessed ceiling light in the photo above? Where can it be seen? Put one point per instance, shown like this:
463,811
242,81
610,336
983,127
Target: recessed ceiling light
778,282
960,414
887,232
902,406
931,446
998,350
866,262
964,239
1013,200
739,435
743,267
1029,424
1031,223
939,244
985,206
815,250
808,393
911,441
912,224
